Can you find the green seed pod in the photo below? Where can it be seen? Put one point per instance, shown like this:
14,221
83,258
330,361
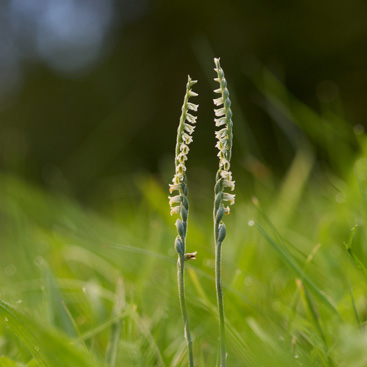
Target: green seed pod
180,228
185,203
179,246
221,233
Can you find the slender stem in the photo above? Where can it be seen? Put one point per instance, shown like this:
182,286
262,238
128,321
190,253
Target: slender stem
218,286
181,294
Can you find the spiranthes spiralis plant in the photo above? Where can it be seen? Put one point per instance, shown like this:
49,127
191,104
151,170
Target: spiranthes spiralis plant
224,182
180,204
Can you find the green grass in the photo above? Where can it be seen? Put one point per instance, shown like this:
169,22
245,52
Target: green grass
98,288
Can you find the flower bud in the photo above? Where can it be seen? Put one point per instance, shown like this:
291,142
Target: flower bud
183,213
180,228
219,214
179,246
221,233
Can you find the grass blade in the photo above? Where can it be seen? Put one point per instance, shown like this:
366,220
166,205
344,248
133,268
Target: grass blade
115,332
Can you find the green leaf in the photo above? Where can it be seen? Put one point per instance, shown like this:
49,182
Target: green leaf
48,348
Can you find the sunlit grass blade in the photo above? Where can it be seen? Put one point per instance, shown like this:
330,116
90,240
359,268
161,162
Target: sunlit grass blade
287,258
115,332
315,318
47,348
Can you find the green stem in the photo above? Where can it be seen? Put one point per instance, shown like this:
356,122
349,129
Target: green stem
219,291
181,294
218,286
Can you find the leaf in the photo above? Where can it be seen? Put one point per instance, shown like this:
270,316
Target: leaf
48,348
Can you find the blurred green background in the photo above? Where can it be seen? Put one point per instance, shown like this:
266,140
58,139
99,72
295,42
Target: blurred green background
90,92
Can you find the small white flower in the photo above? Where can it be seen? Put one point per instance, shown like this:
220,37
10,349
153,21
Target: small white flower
174,187
177,179
222,155
227,175
192,94
229,197
190,118
180,169
220,112
222,145
221,134
182,158
221,121
189,128
219,90
218,101
190,256
184,149
228,183
174,200
192,106
175,210
226,210
187,139
224,164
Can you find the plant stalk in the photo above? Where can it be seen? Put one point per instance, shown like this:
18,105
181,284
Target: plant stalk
181,295
218,286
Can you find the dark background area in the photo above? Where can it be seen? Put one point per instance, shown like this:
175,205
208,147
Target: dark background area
91,91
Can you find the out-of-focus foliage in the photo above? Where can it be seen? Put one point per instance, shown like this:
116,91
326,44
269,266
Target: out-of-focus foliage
90,90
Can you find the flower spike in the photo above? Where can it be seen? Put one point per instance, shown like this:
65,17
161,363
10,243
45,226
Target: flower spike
223,113
179,203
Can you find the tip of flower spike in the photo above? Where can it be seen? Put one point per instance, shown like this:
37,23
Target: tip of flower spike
191,81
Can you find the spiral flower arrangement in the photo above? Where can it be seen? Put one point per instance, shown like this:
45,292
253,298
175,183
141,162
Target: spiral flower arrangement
224,182
179,203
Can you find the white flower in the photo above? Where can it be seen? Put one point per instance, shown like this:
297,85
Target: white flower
222,145
219,90
177,179
228,183
182,157
221,121
192,94
226,210
190,118
224,164
184,149
174,187
187,139
189,128
221,134
218,101
180,169
220,112
227,175
192,106
229,197
190,256
174,200
175,210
